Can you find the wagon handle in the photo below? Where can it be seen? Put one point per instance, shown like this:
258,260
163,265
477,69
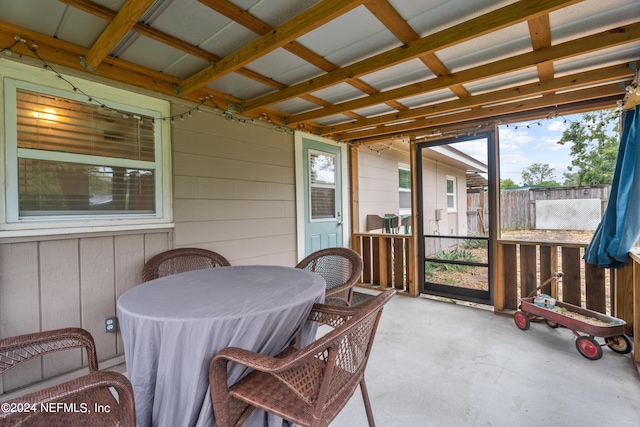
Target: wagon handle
554,276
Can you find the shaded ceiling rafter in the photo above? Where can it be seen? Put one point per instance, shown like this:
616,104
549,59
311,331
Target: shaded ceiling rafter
244,18
609,90
124,21
565,50
308,20
492,21
166,39
607,74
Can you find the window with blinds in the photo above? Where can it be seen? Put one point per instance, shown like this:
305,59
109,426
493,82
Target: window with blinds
80,159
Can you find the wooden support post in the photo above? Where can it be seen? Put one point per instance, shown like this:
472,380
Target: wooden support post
636,312
624,296
412,257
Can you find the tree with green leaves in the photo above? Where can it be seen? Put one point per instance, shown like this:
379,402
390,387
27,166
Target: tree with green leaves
539,175
506,184
595,140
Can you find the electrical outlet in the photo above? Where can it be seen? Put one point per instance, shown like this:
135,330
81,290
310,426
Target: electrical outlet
110,324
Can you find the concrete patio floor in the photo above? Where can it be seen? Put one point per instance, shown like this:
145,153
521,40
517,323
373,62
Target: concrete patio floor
441,364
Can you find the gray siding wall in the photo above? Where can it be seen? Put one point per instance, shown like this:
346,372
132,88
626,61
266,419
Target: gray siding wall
234,189
71,281
378,183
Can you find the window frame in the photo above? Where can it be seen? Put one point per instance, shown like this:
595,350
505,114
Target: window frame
401,210
22,77
453,195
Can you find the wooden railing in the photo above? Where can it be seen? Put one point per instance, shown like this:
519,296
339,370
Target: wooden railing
527,264
386,259
628,300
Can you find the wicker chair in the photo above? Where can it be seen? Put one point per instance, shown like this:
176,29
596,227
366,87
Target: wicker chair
307,386
73,402
340,267
180,260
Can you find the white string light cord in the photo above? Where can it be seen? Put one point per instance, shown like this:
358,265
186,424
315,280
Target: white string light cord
264,117
104,106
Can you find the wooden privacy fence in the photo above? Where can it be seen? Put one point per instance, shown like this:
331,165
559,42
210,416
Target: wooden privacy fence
518,207
386,259
527,264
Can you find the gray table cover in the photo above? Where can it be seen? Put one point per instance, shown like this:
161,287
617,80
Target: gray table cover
173,326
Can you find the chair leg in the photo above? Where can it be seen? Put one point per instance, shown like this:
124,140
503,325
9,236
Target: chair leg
367,403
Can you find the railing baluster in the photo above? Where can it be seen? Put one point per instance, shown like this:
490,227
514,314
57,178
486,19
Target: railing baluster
386,259
510,260
595,288
571,283
528,270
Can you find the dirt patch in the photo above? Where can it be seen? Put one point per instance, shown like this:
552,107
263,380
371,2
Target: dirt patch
573,236
477,277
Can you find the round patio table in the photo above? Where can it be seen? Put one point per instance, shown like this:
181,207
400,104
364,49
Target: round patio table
173,326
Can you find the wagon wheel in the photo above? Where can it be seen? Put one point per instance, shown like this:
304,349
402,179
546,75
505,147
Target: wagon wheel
522,320
620,344
589,348
552,324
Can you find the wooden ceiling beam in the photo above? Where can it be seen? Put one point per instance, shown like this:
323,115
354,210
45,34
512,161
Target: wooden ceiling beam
244,18
609,38
126,18
58,52
166,39
540,32
144,30
308,20
434,134
607,74
492,113
394,22
520,11
390,18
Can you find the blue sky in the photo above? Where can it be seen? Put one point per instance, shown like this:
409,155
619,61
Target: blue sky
520,147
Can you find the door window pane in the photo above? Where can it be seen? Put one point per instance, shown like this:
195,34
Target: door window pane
322,185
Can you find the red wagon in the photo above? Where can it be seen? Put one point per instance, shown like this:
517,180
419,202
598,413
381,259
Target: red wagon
575,318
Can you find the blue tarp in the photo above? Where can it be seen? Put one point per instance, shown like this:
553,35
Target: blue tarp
620,226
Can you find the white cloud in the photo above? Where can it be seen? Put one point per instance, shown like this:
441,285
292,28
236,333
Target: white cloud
512,139
549,144
513,159
557,126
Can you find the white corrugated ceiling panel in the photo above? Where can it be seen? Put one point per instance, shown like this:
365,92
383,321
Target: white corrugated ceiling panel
375,110
284,67
275,12
600,59
429,98
240,86
503,81
334,120
590,17
500,44
185,66
150,53
399,75
343,43
430,16
295,106
342,92
191,21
